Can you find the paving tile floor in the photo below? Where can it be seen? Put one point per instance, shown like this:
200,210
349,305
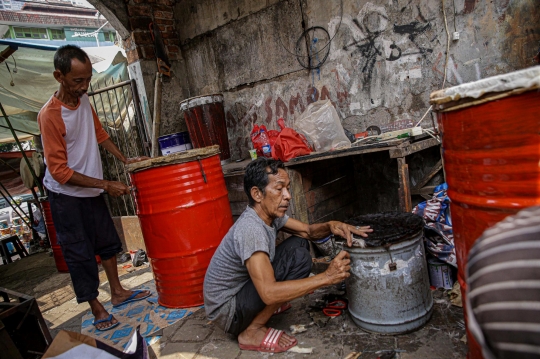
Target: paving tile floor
196,338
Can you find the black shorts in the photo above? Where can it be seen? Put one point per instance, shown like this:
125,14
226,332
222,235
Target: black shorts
84,229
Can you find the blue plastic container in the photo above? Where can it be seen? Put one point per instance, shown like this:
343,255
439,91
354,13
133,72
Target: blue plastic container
176,142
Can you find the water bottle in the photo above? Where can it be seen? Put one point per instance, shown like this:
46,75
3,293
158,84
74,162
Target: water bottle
265,141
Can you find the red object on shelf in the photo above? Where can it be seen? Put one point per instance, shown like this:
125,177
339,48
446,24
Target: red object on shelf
491,155
184,213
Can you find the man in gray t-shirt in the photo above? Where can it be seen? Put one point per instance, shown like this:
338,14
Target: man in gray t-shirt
249,278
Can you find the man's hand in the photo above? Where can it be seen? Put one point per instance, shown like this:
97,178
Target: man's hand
344,230
116,189
339,268
136,159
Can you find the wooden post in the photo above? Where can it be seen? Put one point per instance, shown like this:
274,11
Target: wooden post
405,203
298,202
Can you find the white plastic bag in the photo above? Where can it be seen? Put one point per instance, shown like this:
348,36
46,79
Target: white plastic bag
321,125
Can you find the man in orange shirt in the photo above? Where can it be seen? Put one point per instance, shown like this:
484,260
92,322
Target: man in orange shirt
71,132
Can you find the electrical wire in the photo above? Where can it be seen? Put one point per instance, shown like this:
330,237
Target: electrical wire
314,55
447,44
328,44
454,2
15,61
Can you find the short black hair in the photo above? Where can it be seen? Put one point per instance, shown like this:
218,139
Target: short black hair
64,55
257,175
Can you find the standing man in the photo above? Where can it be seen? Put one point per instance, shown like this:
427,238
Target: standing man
71,132
249,278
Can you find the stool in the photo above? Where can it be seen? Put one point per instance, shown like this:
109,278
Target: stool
19,249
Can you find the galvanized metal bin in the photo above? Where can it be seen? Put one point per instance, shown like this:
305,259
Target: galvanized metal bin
388,301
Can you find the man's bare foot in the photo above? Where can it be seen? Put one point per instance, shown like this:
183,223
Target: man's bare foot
253,336
100,313
123,294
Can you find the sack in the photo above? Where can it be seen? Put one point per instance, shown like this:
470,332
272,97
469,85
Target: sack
321,125
289,144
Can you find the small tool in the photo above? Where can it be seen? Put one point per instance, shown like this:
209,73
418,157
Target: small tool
332,309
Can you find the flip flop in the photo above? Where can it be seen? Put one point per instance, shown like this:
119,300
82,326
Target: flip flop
270,343
108,319
283,308
132,298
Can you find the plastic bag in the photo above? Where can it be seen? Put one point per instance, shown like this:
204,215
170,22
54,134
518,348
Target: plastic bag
259,142
321,125
289,144
139,258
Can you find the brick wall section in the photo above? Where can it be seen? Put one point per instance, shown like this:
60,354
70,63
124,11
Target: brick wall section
143,12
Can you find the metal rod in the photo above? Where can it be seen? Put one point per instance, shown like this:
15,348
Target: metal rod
14,209
107,88
126,144
142,126
134,128
118,139
11,197
103,151
30,167
21,131
113,132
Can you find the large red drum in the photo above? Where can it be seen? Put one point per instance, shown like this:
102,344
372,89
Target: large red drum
205,120
183,206
491,151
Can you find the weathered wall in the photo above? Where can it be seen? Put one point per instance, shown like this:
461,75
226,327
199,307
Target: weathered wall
385,59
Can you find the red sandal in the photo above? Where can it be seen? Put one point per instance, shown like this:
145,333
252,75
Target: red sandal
270,343
283,308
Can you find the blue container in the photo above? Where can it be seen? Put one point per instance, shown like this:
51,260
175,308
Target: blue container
176,142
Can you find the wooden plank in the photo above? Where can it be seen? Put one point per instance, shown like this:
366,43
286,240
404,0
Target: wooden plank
428,176
235,187
237,208
340,214
423,191
405,203
323,208
330,189
298,205
235,168
334,154
319,174
413,147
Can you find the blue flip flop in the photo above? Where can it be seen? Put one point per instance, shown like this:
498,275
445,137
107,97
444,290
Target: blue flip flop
108,319
132,298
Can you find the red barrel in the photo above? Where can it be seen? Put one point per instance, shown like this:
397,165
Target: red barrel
491,154
61,264
205,120
182,204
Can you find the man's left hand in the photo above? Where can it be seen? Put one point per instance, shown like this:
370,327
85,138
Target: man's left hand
136,159
346,230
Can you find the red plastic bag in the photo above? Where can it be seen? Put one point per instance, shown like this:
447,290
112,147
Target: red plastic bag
258,142
289,144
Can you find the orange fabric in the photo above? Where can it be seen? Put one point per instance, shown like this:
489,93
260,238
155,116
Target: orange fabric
53,130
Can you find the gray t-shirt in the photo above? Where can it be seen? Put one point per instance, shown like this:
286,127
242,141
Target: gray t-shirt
227,272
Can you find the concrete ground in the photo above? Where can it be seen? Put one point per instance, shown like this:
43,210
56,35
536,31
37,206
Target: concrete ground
194,337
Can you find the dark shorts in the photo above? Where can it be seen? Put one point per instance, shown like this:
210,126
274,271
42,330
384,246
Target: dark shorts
84,229
292,261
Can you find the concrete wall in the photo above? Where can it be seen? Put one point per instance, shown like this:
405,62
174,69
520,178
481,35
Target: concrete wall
385,58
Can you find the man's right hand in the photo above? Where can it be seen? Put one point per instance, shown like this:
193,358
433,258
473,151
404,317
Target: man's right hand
339,268
115,188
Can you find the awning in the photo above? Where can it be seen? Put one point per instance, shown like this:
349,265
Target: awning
30,70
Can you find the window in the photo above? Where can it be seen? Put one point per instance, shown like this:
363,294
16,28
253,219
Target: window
57,34
30,33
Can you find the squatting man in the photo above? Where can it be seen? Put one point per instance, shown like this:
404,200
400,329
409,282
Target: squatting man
249,278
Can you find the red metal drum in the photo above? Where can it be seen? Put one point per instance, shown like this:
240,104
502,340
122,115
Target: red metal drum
205,120
491,151
183,206
61,264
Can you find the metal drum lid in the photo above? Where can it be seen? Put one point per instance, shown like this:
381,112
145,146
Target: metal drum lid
175,158
389,228
200,100
485,90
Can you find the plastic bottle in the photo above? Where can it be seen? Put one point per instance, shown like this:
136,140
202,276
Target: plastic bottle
265,141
